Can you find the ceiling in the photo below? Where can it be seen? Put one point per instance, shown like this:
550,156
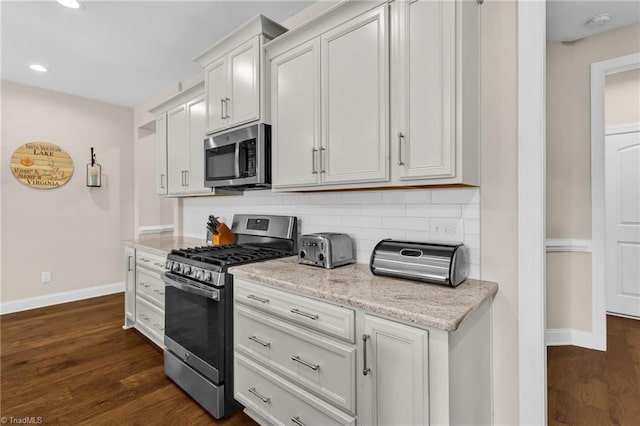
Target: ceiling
125,52
566,20
121,52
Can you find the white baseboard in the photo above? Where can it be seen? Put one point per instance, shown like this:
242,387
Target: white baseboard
57,298
573,337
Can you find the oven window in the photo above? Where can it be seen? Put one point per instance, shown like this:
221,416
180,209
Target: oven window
197,324
221,163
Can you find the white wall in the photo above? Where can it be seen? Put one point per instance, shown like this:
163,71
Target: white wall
367,216
73,231
622,98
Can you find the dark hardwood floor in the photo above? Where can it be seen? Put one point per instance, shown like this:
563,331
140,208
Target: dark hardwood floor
588,387
73,364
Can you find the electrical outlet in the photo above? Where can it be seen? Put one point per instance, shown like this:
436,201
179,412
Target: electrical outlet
45,276
446,230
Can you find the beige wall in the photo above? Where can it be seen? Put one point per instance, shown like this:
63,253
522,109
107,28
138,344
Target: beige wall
569,167
498,197
622,98
73,231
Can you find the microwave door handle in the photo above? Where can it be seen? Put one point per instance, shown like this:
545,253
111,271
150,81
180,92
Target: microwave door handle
237,160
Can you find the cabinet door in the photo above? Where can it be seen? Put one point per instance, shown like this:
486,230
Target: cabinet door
396,388
295,109
425,64
130,286
355,100
216,88
178,149
243,83
161,154
196,124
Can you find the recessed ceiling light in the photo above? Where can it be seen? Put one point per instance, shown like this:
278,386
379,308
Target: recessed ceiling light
39,68
599,20
71,4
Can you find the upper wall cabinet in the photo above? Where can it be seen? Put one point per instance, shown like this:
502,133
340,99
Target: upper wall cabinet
336,122
234,75
180,147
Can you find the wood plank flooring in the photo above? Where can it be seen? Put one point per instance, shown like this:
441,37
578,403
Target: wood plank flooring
588,387
73,364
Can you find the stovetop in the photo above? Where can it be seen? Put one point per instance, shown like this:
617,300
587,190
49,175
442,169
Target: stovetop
219,258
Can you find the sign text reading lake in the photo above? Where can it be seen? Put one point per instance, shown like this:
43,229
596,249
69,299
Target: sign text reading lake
41,165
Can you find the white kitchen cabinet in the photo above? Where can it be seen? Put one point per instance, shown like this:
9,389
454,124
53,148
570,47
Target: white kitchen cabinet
234,74
330,106
295,108
402,373
435,73
354,62
144,293
130,286
161,154
396,383
184,115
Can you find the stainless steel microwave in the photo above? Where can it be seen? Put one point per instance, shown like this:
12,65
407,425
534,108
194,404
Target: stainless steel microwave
239,159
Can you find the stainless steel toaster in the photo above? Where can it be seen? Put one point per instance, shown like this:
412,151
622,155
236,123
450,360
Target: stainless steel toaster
436,263
326,249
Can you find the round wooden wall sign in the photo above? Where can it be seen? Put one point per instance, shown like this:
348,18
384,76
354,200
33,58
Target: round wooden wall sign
41,165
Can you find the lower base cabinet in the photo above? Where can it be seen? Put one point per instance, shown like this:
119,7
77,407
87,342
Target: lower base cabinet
288,371
144,294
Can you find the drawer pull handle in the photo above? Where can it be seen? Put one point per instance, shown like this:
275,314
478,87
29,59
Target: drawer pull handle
144,317
145,285
255,339
365,370
161,293
297,421
259,299
314,367
304,314
158,326
262,398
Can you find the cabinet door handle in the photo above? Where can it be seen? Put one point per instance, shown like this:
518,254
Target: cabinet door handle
226,108
262,398
259,299
365,370
221,108
130,265
144,317
160,292
400,140
255,339
162,181
296,420
313,161
186,178
145,285
314,367
304,314
322,159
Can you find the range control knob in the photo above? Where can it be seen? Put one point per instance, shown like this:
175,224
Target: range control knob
303,254
187,270
168,264
321,257
207,276
175,267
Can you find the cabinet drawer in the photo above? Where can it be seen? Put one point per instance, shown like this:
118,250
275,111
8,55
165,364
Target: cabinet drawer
330,319
151,318
318,363
150,285
279,401
150,261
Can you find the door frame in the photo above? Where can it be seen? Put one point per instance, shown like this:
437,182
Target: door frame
599,72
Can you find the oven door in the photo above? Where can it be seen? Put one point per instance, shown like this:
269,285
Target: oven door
195,325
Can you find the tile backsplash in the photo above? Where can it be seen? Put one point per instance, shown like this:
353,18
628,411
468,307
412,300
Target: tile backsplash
367,216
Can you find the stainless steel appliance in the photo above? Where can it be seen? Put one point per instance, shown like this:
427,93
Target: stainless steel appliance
436,263
198,307
326,249
239,159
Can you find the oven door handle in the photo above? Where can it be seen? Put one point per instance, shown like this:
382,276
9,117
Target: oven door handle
212,294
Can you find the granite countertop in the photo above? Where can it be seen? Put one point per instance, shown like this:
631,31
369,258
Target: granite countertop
428,305
161,245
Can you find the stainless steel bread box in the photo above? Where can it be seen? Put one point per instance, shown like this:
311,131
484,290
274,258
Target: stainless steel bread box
326,249
436,263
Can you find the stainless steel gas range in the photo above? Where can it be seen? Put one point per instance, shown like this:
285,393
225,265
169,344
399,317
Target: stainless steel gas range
199,312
